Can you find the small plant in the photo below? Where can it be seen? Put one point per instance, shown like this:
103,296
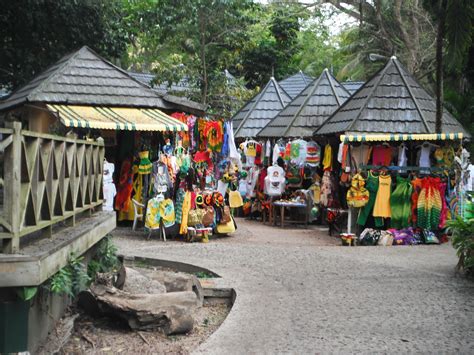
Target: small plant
72,278
105,259
203,275
463,241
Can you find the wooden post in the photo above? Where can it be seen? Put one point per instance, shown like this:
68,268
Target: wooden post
13,188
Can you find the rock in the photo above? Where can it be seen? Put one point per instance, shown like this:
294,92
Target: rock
178,282
170,313
136,282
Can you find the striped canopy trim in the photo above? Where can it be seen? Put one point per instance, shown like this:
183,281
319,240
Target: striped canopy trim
117,118
400,137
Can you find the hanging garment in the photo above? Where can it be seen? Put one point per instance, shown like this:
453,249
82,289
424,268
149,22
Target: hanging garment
357,195
109,191
327,196
258,156
430,204
372,186
186,207
214,133
445,209
191,121
327,160
160,178
424,160
136,194
382,155
293,176
339,152
153,217
313,154
144,167
400,203
252,178
382,201
417,184
360,155
125,187
275,181
179,204
402,155
277,149
268,149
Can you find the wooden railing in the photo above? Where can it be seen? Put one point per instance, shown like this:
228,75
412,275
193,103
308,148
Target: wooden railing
47,179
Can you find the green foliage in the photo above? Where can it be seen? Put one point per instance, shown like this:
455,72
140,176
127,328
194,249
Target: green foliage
459,32
72,278
463,242
105,259
26,293
203,275
36,33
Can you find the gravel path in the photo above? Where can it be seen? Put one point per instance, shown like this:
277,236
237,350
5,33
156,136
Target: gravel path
297,292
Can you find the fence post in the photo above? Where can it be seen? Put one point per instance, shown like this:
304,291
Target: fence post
12,198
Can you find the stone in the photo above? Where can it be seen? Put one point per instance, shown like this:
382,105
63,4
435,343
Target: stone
136,282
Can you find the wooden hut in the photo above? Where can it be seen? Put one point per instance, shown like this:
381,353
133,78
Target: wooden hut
309,109
260,110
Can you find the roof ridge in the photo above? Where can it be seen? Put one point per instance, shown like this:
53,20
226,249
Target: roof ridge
394,59
369,96
58,71
277,87
303,104
257,100
330,79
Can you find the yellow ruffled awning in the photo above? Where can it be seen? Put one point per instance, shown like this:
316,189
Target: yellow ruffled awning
117,118
400,137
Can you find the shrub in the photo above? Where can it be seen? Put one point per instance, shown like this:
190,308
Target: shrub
463,241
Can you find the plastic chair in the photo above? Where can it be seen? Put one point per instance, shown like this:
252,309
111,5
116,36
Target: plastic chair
137,216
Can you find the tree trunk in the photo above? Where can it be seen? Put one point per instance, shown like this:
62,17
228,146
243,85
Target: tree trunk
439,64
202,30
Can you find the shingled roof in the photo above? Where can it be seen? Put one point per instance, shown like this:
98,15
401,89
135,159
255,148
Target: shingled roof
352,86
392,101
251,118
85,78
309,109
295,84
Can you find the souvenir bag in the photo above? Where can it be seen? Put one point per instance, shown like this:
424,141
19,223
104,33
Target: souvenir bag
226,228
226,216
195,217
386,239
235,199
357,195
208,217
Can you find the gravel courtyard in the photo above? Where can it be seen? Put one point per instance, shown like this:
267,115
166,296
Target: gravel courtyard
299,292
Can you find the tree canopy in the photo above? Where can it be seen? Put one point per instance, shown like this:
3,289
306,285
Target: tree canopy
205,40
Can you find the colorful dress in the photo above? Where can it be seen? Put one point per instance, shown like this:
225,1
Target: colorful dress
429,204
400,202
382,201
417,185
372,186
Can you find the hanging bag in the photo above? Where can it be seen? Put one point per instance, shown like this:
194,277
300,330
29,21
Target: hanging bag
226,228
235,199
208,218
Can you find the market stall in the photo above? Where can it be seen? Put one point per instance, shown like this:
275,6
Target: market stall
175,179
401,181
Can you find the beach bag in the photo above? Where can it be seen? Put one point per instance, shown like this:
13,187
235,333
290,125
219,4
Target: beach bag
235,199
357,195
208,217
226,217
195,217
386,239
226,228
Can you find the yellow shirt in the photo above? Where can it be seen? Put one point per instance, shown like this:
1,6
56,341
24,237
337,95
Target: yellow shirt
327,160
382,201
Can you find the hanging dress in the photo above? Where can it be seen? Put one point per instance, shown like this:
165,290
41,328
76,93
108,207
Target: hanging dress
327,160
372,186
429,204
417,185
400,202
382,201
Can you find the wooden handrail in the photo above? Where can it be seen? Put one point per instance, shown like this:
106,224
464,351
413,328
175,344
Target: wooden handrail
47,179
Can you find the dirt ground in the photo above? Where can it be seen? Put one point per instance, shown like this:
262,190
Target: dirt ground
249,232
106,336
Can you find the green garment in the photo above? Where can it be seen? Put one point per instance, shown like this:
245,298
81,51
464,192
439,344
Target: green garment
400,203
372,185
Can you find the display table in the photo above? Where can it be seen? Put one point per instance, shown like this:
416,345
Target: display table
283,205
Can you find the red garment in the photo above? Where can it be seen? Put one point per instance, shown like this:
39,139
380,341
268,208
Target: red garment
258,157
181,116
382,155
444,210
417,186
125,187
261,179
